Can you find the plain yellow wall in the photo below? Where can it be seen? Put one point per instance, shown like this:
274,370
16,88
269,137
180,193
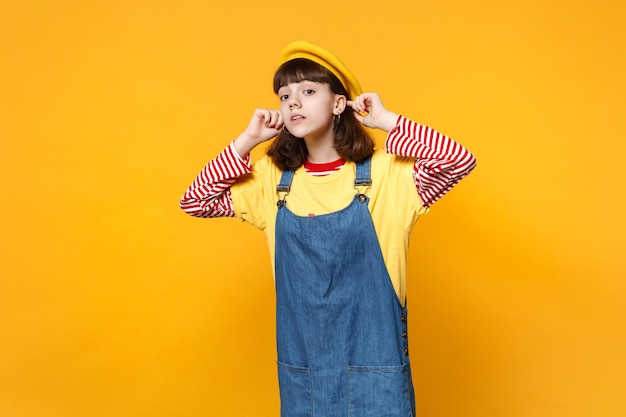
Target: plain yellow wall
113,302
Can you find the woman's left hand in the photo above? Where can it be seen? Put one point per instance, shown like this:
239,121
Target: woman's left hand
376,116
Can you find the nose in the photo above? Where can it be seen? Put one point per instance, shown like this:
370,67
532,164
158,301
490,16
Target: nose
293,102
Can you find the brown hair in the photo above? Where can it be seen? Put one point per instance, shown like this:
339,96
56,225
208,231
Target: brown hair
352,141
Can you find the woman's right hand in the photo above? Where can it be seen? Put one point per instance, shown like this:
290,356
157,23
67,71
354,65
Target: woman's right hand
264,125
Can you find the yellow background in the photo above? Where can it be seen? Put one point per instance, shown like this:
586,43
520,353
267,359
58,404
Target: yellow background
113,302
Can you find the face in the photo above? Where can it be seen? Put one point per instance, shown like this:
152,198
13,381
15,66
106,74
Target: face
308,108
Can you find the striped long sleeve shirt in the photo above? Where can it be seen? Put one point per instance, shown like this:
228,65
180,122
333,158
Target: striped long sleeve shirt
440,163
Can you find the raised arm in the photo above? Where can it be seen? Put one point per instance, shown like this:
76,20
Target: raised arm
440,162
209,194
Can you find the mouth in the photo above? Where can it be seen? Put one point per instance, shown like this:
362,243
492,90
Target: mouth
297,117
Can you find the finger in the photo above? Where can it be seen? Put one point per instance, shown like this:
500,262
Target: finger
271,119
356,105
259,118
267,118
277,118
359,117
258,114
364,103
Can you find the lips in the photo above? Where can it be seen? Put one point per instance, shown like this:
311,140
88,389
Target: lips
297,117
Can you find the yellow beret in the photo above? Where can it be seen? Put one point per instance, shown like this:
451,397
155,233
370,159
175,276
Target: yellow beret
303,49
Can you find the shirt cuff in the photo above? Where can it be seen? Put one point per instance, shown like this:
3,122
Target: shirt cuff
243,160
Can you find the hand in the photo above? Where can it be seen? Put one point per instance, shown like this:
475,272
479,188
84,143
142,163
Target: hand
264,125
377,116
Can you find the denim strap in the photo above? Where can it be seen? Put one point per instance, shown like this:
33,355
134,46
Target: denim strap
363,177
285,182
363,173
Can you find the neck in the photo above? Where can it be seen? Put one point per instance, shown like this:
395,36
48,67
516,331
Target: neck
323,156
321,150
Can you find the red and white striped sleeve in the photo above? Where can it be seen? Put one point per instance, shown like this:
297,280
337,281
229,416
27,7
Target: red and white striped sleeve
440,161
209,194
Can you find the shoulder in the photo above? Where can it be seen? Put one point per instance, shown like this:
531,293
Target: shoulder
264,175
384,163
265,164
393,177
264,171
254,194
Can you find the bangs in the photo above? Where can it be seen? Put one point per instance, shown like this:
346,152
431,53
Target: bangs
302,69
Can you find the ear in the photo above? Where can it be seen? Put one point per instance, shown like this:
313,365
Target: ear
340,104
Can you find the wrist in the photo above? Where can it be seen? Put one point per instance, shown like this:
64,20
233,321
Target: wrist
243,145
388,121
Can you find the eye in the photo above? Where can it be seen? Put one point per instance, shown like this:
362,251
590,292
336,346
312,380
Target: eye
283,97
309,91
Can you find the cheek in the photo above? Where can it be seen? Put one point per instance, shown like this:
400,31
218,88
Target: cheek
282,107
284,111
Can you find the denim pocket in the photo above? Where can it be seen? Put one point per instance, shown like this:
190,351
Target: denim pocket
295,390
380,391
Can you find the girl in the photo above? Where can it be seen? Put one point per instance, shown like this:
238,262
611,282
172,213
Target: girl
337,215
